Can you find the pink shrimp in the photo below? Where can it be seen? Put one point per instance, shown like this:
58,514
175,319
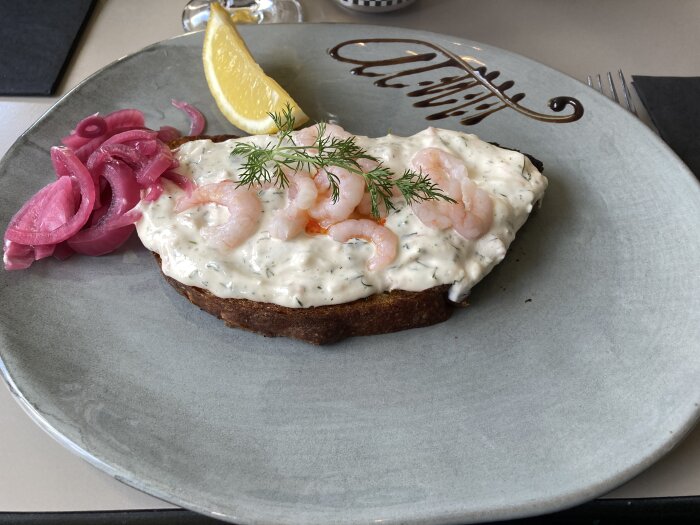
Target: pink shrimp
243,205
445,170
302,189
474,219
472,213
309,136
435,215
351,190
290,221
351,185
385,241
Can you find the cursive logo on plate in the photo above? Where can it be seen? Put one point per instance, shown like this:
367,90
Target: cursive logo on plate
470,93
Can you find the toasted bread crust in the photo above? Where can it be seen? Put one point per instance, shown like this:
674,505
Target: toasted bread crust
378,314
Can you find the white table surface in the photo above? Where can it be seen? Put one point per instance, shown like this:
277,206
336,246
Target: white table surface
577,37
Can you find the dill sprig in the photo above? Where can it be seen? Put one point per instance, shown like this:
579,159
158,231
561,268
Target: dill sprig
417,187
267,164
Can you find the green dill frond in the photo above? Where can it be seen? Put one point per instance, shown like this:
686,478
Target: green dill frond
418,187
267,164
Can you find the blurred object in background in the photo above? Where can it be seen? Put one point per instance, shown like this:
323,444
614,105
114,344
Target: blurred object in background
196,12
374,6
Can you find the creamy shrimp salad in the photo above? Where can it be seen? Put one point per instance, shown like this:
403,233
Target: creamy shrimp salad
295,248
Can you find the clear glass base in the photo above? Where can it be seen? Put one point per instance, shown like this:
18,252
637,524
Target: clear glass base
196,12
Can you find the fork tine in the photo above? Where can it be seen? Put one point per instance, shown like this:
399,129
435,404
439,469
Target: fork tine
612,88
626,93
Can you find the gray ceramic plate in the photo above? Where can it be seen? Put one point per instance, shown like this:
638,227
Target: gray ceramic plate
574,368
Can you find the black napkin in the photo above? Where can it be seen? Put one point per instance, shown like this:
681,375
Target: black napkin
38,37
673,103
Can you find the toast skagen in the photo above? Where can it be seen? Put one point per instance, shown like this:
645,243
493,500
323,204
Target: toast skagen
388,311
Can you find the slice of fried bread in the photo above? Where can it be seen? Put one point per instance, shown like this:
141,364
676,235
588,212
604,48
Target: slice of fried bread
378,314
384,312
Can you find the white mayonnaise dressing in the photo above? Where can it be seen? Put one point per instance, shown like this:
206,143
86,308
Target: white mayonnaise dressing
315,270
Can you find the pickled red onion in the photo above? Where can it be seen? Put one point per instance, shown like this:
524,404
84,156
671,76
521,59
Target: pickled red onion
45,211
108,152
62,251
118,120
17,256
116,224
168,133
130,135
197,121
67,165
182,182
125,118
91,127
154,166
113,159
43,251
154,191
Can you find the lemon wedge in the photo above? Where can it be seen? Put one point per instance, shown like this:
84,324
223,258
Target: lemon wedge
242,90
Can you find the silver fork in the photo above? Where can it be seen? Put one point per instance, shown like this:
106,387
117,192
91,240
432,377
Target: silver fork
613,91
